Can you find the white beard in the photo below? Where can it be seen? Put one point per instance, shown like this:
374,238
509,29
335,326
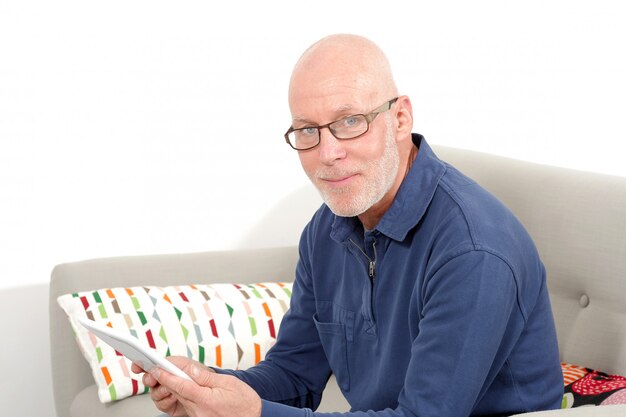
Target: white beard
382,174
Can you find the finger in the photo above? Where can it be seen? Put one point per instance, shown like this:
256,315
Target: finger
136,368
159,393
149,381
180,387
167,404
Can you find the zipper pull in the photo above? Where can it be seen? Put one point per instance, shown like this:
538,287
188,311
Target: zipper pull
373,262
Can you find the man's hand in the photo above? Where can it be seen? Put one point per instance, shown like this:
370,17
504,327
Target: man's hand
162,398
210,394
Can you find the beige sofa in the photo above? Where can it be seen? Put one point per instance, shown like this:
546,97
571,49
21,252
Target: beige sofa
577,219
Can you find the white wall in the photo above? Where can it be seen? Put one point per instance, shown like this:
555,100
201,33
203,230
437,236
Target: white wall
136,127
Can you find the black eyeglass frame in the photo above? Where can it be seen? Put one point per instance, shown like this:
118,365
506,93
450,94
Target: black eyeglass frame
369,118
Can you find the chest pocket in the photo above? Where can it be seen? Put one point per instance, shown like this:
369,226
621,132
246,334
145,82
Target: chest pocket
335,326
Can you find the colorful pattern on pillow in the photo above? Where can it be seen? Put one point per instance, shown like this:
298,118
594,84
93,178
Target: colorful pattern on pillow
584,386
222,325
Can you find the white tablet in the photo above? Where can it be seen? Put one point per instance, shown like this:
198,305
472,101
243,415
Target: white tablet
131,347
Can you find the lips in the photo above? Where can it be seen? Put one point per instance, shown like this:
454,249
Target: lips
339,183
338,179
334,175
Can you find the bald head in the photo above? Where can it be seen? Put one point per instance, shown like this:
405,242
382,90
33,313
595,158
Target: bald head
342,63
335,80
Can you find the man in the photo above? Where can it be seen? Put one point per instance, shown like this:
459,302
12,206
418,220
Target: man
419,290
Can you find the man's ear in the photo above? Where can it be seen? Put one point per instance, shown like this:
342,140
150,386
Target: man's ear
404,117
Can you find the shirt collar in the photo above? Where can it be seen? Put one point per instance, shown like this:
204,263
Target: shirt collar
411,201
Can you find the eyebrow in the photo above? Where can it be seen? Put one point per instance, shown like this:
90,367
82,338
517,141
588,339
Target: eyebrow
340,109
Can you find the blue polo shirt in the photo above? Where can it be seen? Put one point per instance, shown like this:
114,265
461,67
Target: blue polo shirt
441,310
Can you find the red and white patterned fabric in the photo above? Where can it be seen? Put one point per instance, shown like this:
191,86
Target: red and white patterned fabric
585,386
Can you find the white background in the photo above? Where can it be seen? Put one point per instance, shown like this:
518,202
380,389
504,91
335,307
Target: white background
142,127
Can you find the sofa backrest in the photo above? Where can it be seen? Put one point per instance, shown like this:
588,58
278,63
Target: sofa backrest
577,219
578,222
70,371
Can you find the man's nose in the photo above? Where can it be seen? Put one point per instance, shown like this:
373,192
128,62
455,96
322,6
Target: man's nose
331,149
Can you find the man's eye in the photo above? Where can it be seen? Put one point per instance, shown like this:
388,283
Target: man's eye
350,121
308,131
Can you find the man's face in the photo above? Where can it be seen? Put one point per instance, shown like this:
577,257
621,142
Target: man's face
352,175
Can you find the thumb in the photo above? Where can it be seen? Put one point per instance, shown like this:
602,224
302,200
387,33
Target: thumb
181,361
202,375
187,365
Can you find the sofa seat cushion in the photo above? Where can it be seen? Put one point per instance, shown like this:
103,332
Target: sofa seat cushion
603,411
222,325
85,404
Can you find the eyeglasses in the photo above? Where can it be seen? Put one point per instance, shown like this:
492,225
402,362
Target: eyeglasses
349,127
